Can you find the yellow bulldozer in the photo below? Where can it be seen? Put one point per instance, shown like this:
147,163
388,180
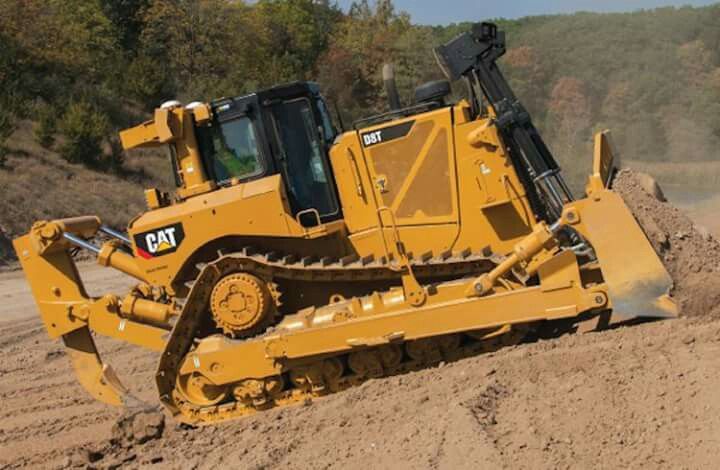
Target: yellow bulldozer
293,260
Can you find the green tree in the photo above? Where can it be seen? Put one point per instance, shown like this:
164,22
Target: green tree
12,95
190,48
127,18
89,45
6,129
84,128
367,38
46,125
294,34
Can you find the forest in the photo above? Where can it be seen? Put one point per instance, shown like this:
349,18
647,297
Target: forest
79,70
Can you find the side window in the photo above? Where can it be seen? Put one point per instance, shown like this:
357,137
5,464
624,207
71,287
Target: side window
236,153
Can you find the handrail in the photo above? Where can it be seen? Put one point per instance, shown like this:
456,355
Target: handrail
356,173
318,227
413,291
396,234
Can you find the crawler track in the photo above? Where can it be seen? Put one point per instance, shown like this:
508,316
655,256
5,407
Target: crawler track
318,375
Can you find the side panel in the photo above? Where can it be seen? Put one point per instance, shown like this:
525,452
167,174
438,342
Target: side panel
164,239
412,168
450,186
409,168
494,210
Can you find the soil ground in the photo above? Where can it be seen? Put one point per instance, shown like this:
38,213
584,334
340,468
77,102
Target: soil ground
637,397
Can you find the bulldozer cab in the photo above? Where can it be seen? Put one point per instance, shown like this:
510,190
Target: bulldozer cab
283,130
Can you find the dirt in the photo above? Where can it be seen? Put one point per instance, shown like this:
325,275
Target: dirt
689,251
643,396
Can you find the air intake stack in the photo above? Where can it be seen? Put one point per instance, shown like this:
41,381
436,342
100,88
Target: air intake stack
391,87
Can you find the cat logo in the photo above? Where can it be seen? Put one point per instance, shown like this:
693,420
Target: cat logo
159,242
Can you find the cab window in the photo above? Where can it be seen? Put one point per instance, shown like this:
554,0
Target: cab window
235,151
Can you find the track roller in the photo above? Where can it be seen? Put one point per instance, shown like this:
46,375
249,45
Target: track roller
319,377
259,392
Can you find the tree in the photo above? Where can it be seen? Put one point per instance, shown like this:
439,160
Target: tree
89,45
527,75
126,16
84,128
696,61
367,38
294,34
6,129
12,96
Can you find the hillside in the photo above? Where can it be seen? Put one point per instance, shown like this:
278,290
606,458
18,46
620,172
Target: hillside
37,184
652,76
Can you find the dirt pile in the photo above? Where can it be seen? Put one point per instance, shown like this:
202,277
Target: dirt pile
138,427
690,254
131,430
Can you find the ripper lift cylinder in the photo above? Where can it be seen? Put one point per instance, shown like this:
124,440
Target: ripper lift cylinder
72,230
111,255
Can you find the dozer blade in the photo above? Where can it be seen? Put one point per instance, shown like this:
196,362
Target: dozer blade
637,281
99,379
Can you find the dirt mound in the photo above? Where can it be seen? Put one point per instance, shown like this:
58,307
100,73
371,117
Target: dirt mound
131,430
690,254
138,427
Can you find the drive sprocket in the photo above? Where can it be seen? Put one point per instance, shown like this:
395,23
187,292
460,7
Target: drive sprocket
242,305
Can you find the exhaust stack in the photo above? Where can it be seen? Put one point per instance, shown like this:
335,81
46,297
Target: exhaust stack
388,73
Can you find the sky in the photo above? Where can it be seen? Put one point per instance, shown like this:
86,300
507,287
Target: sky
436,12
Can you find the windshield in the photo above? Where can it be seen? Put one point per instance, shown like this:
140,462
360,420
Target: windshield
232,149
303,160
